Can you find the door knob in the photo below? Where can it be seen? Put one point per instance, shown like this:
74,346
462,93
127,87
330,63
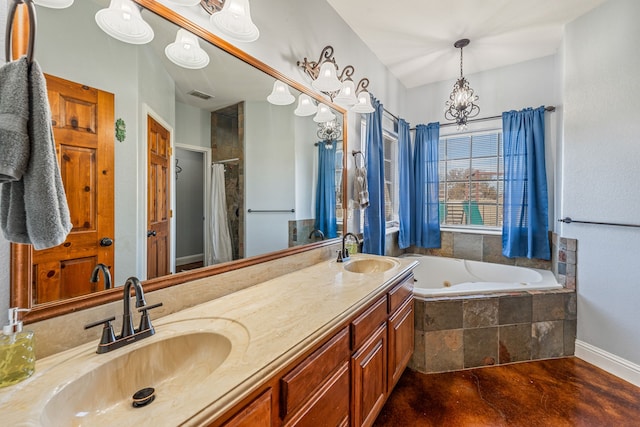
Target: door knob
106,241
151,233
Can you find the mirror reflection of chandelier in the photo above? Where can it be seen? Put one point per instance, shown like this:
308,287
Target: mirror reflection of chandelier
329,132
461,104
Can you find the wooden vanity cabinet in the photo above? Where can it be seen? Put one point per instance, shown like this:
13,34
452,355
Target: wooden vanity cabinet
255,414
369,363
345,380
401,330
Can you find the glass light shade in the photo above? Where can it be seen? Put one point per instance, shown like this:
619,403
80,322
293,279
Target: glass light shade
347,96
280,94
54,4
234,21
123,21
324,114
364,103
306,107
327,80
186,51
185,2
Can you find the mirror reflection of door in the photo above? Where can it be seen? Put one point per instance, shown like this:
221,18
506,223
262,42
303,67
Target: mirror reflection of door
159,200
82,119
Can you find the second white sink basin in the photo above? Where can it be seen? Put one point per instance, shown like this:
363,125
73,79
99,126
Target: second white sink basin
370,265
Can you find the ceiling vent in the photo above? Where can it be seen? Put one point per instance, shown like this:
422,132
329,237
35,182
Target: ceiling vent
200,95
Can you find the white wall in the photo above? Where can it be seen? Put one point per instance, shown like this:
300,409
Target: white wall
601,174
269,175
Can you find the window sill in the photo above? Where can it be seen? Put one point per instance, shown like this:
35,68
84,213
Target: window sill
473,230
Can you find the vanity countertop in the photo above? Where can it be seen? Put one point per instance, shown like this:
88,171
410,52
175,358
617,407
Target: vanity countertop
271,324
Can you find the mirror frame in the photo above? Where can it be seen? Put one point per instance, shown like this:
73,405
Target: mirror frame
21,271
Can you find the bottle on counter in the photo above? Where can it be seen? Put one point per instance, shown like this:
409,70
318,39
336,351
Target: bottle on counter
17,353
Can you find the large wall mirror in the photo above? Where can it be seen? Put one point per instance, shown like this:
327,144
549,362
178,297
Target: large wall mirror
172,135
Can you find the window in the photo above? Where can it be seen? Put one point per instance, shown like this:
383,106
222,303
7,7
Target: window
471,179
391,179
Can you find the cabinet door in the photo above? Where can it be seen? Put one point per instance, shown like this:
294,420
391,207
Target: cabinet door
369,378
401,342
255,414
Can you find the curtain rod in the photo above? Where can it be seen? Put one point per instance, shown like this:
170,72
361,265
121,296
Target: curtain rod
549,108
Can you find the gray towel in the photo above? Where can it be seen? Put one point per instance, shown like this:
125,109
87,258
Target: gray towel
361,189
14,113
34,210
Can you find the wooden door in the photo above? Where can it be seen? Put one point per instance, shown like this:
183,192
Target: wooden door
158,195
83,120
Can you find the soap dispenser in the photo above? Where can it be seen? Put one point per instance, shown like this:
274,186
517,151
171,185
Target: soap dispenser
17,354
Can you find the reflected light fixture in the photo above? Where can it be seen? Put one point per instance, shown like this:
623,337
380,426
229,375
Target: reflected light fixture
324,114
461,104
280,94
328,132
186,51
339,86
122,21
234,20
54,4
306,106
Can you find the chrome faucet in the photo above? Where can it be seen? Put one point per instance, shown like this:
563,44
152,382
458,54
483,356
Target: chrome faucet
127,321
343,255
316,232
129,334
105,273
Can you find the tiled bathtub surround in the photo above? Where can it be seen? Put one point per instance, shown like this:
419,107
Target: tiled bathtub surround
564,260
465,332
477,247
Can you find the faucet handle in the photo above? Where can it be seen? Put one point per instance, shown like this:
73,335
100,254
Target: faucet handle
107,331
145,321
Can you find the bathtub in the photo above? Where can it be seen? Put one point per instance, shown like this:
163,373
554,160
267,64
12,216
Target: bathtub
438,276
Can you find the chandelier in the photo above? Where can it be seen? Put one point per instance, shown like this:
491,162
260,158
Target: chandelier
461,104
328,132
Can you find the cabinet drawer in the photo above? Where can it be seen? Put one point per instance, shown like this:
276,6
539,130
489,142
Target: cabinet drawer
330,406
299,384
400,293
367,322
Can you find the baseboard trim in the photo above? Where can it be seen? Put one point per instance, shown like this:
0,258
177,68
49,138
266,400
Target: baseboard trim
611,363
189,259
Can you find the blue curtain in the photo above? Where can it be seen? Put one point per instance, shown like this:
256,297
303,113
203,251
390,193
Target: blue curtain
525,222
374,218
326,191
405,172
425,226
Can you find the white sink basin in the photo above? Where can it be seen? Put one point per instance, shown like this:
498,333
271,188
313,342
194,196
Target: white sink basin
370,265
174,362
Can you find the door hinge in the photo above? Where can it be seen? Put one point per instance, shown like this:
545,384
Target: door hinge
170,213
170,151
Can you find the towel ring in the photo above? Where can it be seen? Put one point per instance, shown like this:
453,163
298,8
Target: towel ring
31,9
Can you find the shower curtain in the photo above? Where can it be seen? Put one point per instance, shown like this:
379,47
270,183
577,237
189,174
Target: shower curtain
219,240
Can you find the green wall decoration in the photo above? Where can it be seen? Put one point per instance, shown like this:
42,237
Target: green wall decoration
121,130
